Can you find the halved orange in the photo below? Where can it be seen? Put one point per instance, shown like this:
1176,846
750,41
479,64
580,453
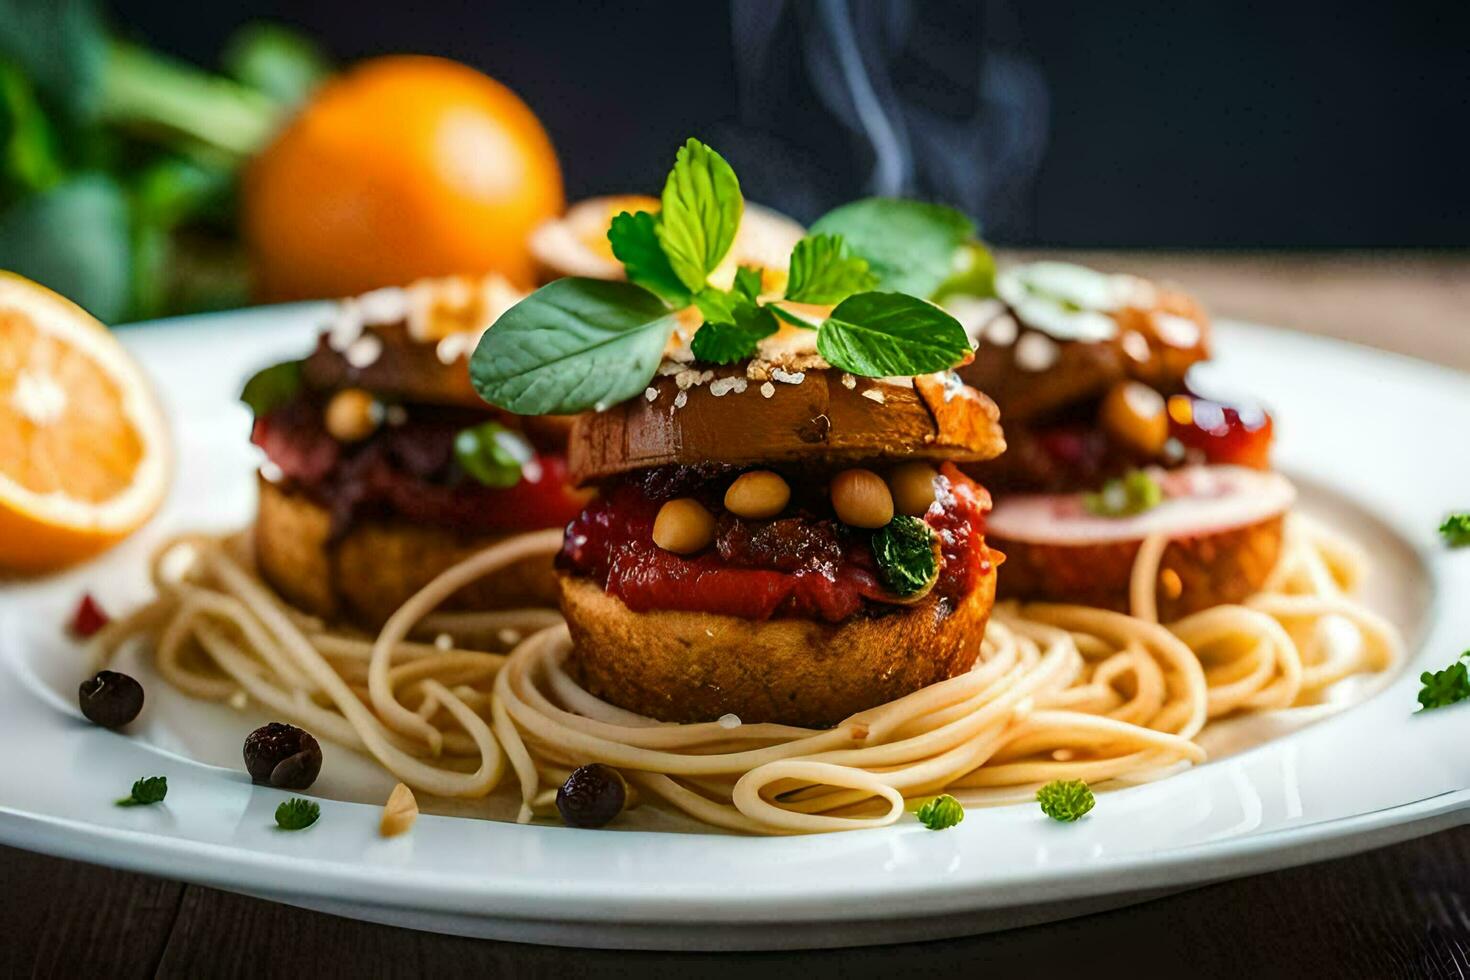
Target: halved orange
84,456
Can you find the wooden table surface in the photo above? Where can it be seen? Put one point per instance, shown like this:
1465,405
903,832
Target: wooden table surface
1400,911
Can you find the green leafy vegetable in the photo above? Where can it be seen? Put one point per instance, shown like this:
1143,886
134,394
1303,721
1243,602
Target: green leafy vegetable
572,345
297,814
146,791
1456,530
748,282
823,270
733,333
879,335
910,246
702,207
492,454
1444,687
941,812
272,387
634,241
74,238
906,550
30,159
972,273
794,319
60,46
1133,493
1065,800
277,61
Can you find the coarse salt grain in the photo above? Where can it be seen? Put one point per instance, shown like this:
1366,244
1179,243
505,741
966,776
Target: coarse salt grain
389,305
651,394
685,379
681,399
873,394
1036,352
768,389
729,721
723,386
849,382
364,351
787,377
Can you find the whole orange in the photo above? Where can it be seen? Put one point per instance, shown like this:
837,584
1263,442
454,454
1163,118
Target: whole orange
403,167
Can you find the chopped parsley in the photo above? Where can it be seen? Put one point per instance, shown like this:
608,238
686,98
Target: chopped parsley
1442,687
146,791
941,812
1456,530
297,814
905,550
1132,493
1065,800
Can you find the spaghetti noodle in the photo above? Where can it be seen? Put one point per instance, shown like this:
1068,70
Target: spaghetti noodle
1058,691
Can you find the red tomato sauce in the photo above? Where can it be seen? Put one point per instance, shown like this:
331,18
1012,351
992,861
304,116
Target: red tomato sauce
806,566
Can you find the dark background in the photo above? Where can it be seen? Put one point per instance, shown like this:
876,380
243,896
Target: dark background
1145,124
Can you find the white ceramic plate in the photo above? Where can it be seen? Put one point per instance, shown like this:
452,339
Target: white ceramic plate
1376,442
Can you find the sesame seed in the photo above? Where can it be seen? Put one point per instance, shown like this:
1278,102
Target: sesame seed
768,389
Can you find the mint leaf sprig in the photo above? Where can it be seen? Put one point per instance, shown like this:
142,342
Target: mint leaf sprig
579,344
146,791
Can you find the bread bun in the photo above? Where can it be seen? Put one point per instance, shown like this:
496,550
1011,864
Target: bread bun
818,419
691,666
378,564
1224,539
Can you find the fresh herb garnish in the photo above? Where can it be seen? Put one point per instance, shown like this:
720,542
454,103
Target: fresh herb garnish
880,335
578,344
146,791
297,814
1456,530
1065,800
492,454
1444,687
905,552
910,246
572,345
634,240
941,812
1132,493
272,387
823,270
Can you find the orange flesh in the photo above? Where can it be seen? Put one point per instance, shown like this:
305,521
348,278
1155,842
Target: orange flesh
77,438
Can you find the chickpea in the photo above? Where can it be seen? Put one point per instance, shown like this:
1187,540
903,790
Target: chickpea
683,526
861,498
758,494
352,415
1134,414
913,488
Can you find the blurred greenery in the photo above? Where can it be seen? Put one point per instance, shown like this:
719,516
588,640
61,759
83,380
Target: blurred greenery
118,166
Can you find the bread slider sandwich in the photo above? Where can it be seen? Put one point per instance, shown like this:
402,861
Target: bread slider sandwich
383,468
1109,446
781,533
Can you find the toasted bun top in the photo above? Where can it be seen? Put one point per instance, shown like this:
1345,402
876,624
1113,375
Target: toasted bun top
813,417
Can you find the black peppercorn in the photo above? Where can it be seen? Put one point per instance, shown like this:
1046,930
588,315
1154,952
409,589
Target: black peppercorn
592,796
110,699
282,756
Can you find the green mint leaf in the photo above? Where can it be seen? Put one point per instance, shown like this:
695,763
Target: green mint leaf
788,317
910,246
972,273
1456,530
1443,687
748,282
297,814
941,813
572,345
146,791
634,240
720,342
1065,800
880,335
271,387
717,306
1133,493
906,550
823,270
702,207
492,454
